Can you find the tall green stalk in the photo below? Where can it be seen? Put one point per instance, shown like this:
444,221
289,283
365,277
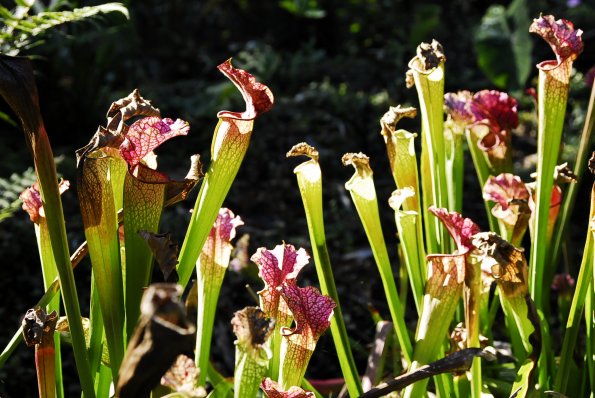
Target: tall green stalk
403,162
33,204
363,194
309,177
472,299
413,252
18,88
579,168
552,94
427,70
590,336
583,287
454,168
229,145
96,332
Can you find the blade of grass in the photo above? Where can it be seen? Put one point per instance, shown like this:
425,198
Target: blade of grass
103,381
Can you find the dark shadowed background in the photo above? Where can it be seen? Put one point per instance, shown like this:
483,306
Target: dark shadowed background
334,67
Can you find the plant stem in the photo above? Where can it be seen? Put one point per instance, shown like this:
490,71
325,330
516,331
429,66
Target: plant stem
483,173
50,272
275,362
455,171
309,178
589,334
429,83
363,193
208,294
309,387
570,195
413,250
472,292
46,173
96,330
552,98
583,291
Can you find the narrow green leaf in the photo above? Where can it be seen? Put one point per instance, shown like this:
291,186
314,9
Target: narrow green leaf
18,88
309,177
363,193
583,287
413,251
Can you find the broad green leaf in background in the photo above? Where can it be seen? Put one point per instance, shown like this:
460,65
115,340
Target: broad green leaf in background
502,35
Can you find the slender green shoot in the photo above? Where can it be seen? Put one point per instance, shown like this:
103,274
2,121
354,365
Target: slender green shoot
309,178
413,252
17,86
363,194
552,98
569,199
582,289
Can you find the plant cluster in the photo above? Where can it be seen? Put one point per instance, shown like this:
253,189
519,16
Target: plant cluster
141,339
